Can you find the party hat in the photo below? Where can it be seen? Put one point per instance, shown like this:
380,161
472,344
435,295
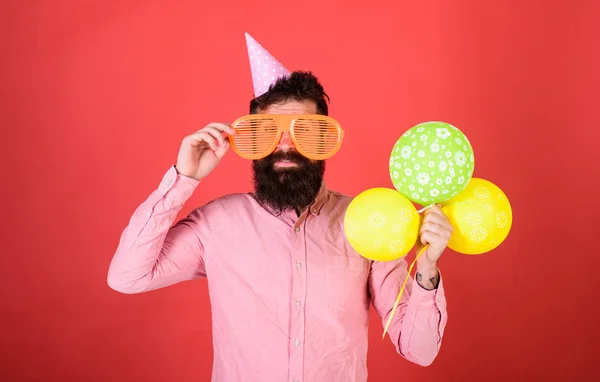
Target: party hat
265,68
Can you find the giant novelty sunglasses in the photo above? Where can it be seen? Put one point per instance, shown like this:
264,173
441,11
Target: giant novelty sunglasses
314,136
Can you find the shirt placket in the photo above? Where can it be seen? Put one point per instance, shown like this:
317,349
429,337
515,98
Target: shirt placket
298,299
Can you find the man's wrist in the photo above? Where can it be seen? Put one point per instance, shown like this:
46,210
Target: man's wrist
428,276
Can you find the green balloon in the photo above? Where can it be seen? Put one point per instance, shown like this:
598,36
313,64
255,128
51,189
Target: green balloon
431,163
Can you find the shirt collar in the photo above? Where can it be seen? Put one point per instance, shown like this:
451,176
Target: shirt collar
320,199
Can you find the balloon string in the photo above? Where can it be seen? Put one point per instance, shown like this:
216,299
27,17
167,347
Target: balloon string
402,290
424,209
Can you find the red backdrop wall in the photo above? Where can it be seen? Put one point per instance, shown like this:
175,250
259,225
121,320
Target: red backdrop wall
96,96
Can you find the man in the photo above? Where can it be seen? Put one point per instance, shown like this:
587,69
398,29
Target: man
290,298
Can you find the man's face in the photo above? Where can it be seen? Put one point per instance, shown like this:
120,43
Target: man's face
285,179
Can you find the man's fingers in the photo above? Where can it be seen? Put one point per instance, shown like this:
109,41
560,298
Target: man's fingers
222,127
435,228
434,239
218,135
222,150
427,238
202,136
436,215
436,218
212,135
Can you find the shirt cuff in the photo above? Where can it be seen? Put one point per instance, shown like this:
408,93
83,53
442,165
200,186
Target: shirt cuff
177,187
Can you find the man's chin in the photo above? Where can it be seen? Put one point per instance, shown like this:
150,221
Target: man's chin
283,175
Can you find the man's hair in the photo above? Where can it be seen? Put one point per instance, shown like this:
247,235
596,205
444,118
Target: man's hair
299,86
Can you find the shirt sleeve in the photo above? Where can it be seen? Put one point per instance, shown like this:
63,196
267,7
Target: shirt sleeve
420,318
152,252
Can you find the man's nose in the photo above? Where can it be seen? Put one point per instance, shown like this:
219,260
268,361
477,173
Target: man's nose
285,143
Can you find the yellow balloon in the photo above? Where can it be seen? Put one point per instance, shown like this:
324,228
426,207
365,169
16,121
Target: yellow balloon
481,217
381,224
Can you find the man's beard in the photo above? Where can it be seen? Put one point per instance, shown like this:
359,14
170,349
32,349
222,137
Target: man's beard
287,188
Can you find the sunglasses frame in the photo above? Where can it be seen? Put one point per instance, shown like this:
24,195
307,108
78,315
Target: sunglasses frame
286,124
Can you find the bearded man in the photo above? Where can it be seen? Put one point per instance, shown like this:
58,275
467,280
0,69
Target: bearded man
290,298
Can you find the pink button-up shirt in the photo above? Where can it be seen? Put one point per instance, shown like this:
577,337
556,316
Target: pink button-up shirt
290,298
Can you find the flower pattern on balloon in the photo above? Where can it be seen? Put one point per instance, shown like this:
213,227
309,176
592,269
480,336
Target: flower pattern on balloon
474,218
460,158
405,215
442,132
376,220
423,178
478,234
481,192
406,152
397,246
502,219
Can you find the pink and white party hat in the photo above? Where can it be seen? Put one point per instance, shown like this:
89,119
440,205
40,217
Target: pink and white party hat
265,68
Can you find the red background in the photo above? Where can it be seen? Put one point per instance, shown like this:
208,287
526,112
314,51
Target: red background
97,95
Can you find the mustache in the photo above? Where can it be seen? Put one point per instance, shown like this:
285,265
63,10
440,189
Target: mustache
292,156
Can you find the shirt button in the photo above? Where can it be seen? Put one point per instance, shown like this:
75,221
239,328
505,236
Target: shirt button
297,303
295,380
298,264
297,229
297,342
